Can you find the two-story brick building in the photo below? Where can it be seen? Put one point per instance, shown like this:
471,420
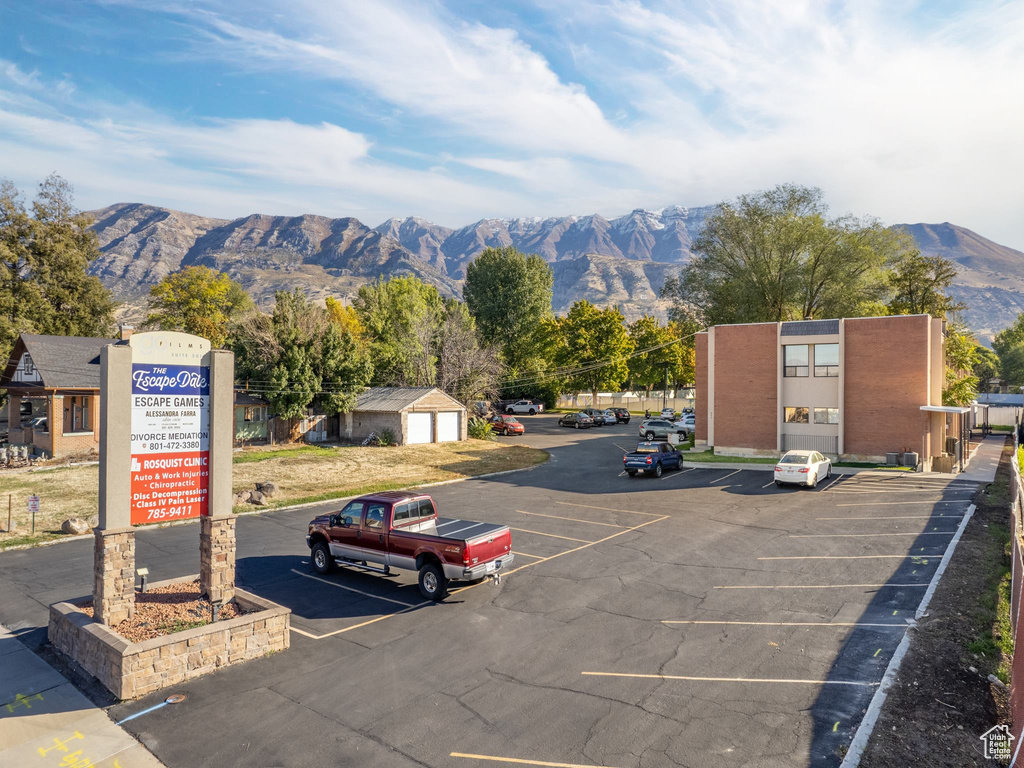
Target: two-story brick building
857,388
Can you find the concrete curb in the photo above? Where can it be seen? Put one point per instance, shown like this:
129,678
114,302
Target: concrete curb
836,470
867,725
264,510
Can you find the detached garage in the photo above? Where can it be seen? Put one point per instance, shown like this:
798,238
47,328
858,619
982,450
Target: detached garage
412,414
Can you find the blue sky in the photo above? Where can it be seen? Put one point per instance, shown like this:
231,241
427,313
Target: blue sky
456,111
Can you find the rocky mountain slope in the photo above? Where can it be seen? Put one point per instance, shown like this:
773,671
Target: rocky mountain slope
622,261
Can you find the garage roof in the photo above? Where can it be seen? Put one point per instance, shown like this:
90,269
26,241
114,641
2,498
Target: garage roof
390,399
71,362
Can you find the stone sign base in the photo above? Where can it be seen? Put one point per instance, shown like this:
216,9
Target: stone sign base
131,670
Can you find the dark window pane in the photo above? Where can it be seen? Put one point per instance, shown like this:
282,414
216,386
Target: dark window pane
796,354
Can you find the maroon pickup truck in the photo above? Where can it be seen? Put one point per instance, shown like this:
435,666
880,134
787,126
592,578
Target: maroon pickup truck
396,529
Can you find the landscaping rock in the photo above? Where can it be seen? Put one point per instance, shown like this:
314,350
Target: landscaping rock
242,497
267,489
75,526
257,498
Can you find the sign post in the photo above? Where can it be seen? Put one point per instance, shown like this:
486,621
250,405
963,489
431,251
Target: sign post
167,427
33,507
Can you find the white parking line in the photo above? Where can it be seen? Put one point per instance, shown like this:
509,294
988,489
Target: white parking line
816,586
725,476
900,490
838,557
891,517
607,509
730,679
552,535
903,625
767,484
896,503
676,474
866,535
572,519
357,591
519,761
837,478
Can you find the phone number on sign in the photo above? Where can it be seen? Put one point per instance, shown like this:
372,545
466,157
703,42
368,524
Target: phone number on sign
175,445
169,513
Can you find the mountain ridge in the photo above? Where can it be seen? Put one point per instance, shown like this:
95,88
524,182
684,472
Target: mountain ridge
623,260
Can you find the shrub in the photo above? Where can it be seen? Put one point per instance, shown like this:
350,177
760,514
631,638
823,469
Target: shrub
480,429
386,437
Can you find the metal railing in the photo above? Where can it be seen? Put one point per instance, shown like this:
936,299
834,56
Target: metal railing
826,444
1017,576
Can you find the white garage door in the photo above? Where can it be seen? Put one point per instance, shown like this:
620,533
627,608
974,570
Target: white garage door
448,427
421,428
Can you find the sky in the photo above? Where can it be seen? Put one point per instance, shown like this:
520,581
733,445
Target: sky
456,111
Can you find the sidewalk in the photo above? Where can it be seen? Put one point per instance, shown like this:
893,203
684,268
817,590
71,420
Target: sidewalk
46,722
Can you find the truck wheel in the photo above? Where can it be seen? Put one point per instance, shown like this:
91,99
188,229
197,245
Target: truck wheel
433,584
657,470
533,411
631,472
321,558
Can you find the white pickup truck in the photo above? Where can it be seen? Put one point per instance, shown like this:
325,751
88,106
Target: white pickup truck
524,406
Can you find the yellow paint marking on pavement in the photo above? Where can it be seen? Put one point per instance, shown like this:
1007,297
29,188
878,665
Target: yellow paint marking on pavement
837,557
572,519
729,679
865,535
352,589
892,517
895,503
835,727
552,535
814,586
303,632
784,623
527,554
609,509
878,652
520,761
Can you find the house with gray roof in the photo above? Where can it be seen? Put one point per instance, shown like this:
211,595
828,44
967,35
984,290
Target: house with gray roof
410,414
60,375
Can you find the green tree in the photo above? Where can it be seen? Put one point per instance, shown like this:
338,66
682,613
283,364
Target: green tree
45,253
1010,337
298,357
592,348
919,286
1011,365
986,366
961,385
197,300
509,294
673,360
775,255
401,316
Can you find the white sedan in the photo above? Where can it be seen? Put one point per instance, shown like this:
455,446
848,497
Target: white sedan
802,468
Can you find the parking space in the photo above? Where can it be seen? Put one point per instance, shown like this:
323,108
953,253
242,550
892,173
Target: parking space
702,618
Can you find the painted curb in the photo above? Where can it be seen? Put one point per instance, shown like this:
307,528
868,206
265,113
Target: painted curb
867,724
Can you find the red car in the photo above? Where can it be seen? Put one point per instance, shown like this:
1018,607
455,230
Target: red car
507,425
400,529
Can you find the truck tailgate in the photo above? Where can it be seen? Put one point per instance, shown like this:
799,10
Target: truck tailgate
491,545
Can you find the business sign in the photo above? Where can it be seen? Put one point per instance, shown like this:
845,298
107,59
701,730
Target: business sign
170,427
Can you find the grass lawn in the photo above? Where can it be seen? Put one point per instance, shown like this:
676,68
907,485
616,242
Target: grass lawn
302,473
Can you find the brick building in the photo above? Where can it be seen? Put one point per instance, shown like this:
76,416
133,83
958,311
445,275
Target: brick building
411,414
858,388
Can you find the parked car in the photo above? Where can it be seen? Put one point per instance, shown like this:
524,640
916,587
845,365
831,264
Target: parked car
686,425
802,468
579,420
687,411
668,413
621,415
652,459
657,428
599,415
525,406
507,425
401,529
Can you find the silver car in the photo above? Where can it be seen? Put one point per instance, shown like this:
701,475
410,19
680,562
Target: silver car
652,429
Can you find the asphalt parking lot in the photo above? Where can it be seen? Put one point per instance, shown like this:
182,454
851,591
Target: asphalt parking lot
704,618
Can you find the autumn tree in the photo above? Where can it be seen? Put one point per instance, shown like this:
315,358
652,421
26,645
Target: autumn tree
298,356
592,348
197,300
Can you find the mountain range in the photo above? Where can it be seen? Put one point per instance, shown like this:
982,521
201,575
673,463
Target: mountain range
623,261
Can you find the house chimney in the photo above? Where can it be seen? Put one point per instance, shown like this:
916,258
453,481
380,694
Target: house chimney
126,331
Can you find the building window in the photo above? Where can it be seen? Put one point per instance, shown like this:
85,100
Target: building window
27,366
795,359
796,415
826,415
826,359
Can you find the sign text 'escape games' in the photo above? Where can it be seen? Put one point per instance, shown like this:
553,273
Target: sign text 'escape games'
170,426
